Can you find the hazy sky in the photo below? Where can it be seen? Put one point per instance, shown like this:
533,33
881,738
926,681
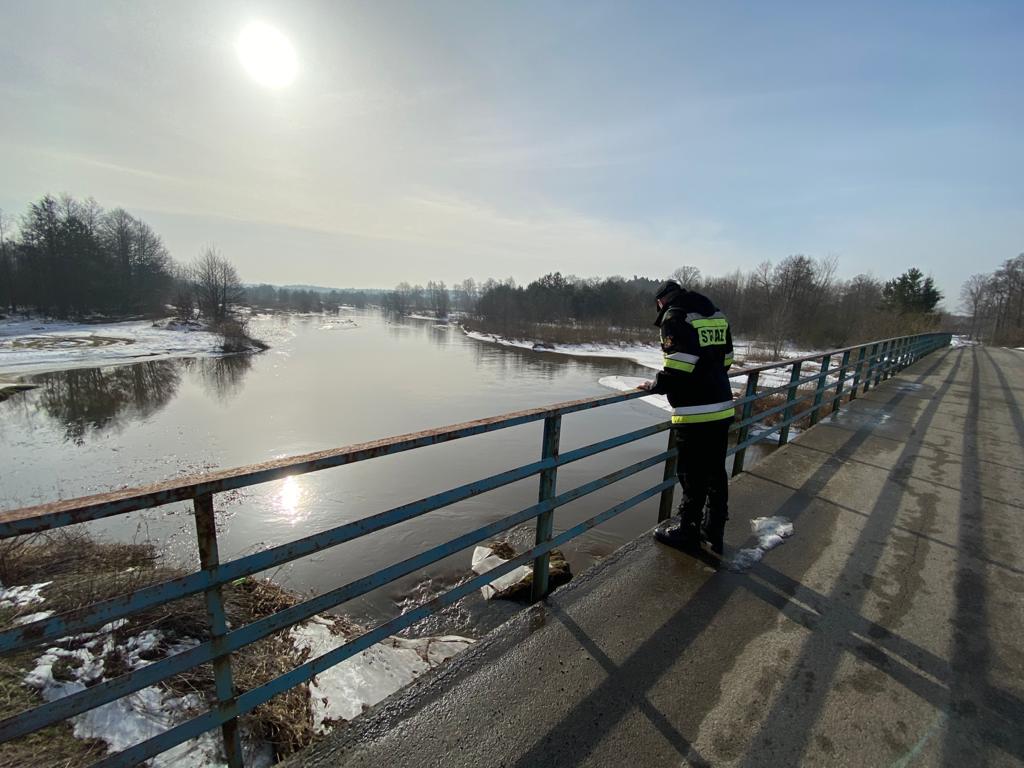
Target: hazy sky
439,140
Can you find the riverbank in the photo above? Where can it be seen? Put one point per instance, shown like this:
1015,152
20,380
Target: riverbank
41,576
42,345
746,354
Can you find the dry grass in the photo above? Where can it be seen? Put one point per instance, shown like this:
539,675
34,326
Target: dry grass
84,571
52,746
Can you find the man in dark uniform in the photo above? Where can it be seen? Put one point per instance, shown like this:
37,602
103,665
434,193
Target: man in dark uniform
697,344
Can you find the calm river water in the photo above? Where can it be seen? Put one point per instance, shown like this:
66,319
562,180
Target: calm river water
327,383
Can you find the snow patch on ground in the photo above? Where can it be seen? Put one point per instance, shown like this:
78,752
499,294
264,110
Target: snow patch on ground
485,560
770,533
36,346
20,596
348,689
141,715
957,340
29,618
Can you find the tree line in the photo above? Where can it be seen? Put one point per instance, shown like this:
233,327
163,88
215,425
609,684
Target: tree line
273,298
70,258
798,300
994,303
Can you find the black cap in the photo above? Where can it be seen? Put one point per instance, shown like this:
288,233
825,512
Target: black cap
666,290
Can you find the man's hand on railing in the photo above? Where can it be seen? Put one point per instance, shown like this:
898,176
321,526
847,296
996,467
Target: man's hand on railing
645,385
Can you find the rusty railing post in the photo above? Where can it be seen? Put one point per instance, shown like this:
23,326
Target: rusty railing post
744,431
794,377
842,381
880,363
870,372
856,372
667,496
545,521
819,391
209,557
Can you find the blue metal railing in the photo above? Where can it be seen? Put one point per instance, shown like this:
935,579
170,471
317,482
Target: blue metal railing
872,363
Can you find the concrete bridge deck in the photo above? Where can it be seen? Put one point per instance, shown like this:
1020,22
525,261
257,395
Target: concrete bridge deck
888,632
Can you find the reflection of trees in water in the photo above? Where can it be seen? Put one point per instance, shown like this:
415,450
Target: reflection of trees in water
96,399
221,377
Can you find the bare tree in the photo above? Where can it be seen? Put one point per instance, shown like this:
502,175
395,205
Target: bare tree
972,295
217,285
7,291
687,276
438,298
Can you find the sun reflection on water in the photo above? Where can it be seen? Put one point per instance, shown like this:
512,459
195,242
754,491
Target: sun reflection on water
290,500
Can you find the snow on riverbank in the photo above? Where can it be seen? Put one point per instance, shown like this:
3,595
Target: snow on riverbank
647,355
650,356
36,346
347,689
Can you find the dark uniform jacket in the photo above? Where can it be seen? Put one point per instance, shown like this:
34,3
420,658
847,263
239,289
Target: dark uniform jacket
697,344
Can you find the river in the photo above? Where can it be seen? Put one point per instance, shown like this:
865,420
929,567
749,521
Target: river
328,382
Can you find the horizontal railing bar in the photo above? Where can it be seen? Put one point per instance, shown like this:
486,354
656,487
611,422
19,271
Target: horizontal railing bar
806,395
754,419
761,435
813,378
819,355
770,429
75,622
784,388
788,404
82,509
110,690
251,699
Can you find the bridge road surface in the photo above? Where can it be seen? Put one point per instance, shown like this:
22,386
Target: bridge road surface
889,631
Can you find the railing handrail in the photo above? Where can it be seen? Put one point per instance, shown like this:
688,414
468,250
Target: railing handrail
818,355
877,360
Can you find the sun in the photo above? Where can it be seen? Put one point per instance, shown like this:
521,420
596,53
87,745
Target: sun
267,55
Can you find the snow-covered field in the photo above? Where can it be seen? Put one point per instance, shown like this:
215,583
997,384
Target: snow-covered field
343,692
36,346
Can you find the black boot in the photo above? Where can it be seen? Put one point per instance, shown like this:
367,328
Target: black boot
714,534
679,534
